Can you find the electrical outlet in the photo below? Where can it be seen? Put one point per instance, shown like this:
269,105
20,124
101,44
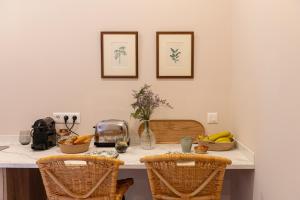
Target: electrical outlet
212,118
59,117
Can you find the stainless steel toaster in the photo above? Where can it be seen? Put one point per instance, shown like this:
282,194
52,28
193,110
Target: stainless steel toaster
107,132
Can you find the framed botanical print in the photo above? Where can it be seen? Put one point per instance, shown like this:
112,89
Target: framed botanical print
175,54
119,54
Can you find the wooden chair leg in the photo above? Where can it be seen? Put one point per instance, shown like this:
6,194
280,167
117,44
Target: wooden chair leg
123,197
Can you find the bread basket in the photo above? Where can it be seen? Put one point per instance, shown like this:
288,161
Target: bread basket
74,148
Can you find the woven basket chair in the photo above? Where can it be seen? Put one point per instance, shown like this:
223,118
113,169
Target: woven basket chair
185,176
89,178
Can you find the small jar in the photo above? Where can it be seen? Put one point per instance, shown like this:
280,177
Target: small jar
121,145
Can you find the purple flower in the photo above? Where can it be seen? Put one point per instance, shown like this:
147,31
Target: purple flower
146,102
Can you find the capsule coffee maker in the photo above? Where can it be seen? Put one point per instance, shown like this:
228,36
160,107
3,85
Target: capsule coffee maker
43,134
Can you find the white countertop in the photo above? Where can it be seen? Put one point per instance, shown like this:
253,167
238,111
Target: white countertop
22,156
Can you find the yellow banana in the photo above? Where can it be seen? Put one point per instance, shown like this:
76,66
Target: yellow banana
223,140
201,137
206,139
231,136
216,136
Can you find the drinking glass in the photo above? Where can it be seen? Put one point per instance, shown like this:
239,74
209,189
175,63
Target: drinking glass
121,145
186,144
25,137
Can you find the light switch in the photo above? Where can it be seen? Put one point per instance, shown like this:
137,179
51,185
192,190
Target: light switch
212,118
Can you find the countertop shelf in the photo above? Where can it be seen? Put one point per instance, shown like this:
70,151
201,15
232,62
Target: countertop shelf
22,156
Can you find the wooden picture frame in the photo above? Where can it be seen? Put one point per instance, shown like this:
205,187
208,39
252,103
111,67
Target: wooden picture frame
175,54
119,54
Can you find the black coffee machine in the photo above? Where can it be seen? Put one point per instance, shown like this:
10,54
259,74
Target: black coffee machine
43,134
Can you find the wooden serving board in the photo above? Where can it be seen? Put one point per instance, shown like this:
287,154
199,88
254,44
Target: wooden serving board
171,131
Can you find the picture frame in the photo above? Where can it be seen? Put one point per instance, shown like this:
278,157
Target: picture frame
175,54
119,54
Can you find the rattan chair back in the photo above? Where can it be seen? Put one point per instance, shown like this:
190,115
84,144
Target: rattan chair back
186,176
86,177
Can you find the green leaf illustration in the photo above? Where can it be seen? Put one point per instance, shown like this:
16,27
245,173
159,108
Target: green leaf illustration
175,55
121,51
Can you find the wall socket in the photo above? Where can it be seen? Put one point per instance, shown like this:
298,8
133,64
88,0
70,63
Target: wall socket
212,118
59,117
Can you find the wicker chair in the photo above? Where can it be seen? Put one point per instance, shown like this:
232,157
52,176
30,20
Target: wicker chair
89,178
185,176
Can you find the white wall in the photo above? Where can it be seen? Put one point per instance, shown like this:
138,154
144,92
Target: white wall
45,45
266,85
50,59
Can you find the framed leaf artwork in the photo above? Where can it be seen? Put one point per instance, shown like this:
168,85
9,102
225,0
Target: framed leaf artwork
175,54
119,54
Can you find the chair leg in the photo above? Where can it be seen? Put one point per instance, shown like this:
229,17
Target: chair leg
123,197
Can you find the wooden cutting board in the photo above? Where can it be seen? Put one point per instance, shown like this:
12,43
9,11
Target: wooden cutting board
171,131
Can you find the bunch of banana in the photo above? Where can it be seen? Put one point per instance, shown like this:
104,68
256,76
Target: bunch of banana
221,137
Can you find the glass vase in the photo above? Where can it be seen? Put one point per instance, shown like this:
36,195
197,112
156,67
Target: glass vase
147,137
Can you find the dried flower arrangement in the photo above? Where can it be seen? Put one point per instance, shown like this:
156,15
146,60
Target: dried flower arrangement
146,102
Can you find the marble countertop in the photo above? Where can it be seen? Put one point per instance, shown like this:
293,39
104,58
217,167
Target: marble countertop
22,156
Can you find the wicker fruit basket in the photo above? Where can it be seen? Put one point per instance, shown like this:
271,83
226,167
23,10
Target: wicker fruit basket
214,146
75,144
73,149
